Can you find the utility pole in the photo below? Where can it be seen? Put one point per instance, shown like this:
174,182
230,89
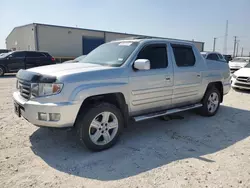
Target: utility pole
235,39
214,43
237,47
225,39
242,52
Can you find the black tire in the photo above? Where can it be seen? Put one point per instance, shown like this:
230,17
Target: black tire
2,71
86,117
204,110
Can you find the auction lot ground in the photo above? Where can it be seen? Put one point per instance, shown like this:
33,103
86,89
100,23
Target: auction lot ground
189,151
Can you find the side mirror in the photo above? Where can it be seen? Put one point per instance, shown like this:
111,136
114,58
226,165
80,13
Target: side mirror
142,64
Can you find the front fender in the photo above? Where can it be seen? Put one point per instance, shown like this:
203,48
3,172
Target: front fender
84,91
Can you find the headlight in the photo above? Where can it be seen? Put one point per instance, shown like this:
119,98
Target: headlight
234,76
45,89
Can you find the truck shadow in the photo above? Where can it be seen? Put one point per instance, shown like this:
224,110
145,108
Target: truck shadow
144,146
8,76
242,90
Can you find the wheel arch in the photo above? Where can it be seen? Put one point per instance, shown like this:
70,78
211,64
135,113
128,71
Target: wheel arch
218,85
4,67
116,99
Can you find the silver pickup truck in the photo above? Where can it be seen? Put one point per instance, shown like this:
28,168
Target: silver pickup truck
127,79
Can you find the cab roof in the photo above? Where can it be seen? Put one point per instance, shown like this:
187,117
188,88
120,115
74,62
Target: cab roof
152,39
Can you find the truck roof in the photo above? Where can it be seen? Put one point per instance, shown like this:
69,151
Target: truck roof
147,39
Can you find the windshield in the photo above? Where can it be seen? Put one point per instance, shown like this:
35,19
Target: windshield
247,66
79,58
110,54
3,55
242,60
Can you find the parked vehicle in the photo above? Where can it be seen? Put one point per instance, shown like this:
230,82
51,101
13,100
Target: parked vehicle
128,79
228,58
76,60
216,56
13,61
4,51
238,63
241,78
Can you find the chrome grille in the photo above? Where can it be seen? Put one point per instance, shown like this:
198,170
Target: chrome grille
243,79
24,89
242,84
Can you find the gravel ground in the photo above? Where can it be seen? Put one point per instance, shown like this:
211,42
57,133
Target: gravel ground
188,151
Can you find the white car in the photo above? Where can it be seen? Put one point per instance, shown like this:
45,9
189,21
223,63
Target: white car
238,63
241,78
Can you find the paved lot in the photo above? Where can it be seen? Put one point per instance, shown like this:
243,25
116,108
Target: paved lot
189,151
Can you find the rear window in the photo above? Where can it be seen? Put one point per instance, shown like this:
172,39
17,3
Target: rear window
239,59
220,56
46,54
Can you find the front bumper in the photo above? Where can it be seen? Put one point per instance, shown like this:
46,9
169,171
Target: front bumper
29,110
239,84
226,88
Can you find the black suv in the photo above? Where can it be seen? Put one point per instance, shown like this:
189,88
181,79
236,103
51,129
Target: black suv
13,61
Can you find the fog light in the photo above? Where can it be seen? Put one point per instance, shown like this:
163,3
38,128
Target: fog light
54,116
42,116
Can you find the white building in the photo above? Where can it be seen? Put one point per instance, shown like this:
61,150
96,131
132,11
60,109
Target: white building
62,41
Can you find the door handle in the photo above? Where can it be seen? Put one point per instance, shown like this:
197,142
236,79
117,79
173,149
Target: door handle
198,75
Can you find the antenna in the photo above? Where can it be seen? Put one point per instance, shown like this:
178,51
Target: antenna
225,40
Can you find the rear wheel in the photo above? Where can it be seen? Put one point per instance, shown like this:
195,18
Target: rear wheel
211,102
100,127
2,71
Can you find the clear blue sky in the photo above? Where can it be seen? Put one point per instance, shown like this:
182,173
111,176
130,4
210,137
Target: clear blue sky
185,19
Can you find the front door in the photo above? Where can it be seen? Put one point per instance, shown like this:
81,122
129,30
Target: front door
16,61
151,90
187,75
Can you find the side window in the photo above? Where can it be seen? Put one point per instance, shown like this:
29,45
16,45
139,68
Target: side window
213,57
18,55
184,55
156,54
35,54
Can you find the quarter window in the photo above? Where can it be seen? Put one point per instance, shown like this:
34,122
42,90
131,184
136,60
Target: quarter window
184,55
156,54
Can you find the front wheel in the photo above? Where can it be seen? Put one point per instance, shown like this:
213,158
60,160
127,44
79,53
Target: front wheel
211,102
100,127
2,71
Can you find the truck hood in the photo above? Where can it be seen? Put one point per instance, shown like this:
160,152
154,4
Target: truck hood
67,69
244,72
234,64
71,72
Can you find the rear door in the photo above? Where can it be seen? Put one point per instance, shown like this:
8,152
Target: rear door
35,59
187,76
151,90
16,61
